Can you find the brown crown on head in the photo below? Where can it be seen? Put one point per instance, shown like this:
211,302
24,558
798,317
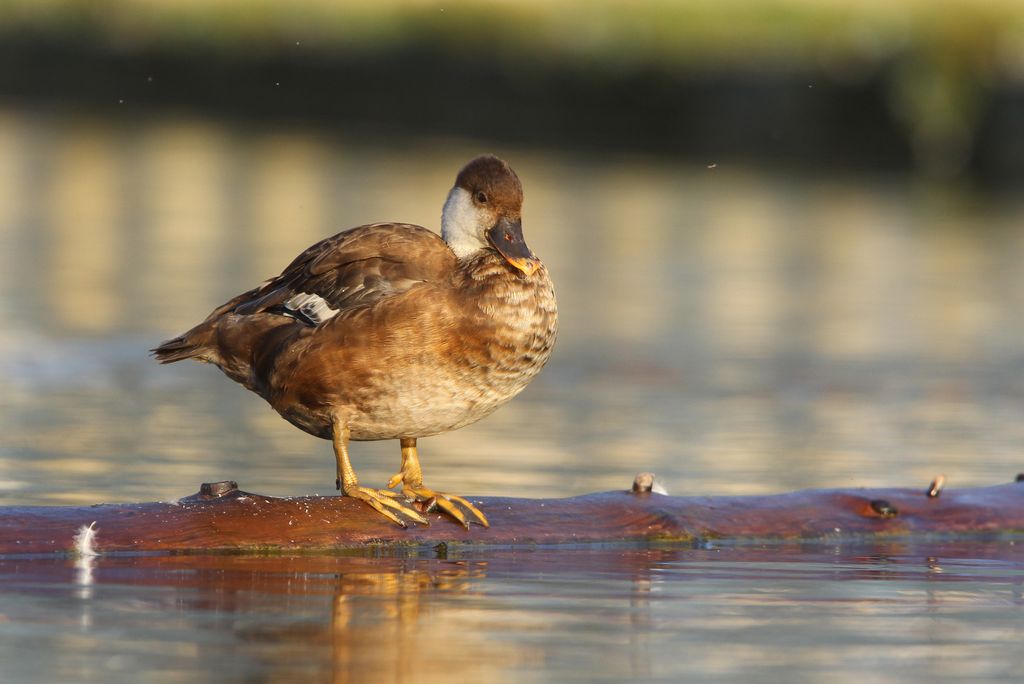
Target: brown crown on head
496,180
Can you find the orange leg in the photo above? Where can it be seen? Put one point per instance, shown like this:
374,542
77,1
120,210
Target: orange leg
411,477
384,502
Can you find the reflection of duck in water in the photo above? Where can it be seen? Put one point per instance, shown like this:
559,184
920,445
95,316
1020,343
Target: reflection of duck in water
349,619
387,331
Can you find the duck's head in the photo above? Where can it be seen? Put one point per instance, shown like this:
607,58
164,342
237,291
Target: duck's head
483,211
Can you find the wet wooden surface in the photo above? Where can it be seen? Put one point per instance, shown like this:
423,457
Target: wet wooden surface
228,519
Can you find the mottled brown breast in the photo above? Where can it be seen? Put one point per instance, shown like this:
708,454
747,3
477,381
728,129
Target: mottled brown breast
434,358
510,321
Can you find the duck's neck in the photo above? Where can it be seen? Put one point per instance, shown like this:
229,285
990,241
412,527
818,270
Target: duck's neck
503,292
487,267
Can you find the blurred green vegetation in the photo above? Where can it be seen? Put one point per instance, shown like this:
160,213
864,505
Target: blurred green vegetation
940,57
988,34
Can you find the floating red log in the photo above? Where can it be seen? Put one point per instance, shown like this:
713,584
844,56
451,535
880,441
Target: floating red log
223,518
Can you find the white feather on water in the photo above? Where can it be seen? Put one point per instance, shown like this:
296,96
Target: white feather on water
85,540
85,550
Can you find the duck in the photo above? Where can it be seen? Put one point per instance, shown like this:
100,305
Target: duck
390,331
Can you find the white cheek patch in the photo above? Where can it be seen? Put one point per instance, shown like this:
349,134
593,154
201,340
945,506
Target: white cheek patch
312,307
461,223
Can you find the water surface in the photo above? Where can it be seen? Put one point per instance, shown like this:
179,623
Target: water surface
734,331
889,613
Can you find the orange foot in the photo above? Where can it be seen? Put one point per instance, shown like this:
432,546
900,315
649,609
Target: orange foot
449,503
389,504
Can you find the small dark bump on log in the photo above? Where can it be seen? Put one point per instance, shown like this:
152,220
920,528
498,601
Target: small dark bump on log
1020,477
935,488
884,509
218,489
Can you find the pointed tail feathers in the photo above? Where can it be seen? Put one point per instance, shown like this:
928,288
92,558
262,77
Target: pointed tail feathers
191,345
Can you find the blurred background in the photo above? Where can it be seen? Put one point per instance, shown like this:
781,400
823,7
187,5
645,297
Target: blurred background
787,235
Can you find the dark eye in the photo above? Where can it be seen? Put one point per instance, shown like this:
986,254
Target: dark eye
481,197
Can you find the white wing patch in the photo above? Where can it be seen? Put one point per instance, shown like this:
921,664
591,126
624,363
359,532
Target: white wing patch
312,307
